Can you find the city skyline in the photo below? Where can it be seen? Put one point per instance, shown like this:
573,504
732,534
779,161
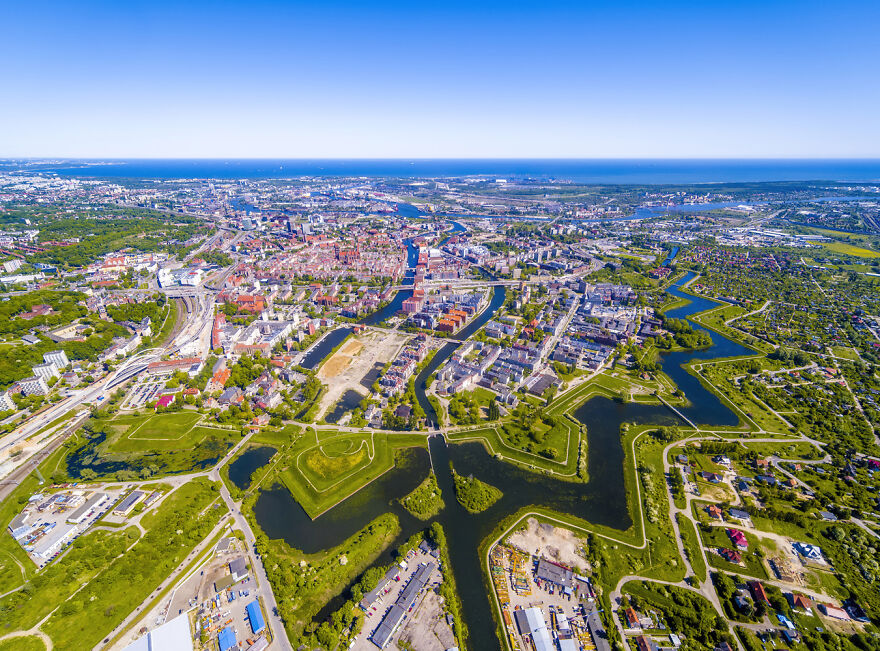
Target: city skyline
494,80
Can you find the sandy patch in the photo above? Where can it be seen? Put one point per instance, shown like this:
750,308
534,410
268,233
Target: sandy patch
340,360
553,543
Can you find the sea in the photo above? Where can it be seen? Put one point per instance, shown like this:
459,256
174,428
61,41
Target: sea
598,171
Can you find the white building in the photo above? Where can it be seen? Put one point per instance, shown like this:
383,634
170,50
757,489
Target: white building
11,266
56,357
6,403
33,386
45,371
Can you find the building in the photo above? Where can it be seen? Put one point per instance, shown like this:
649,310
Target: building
56,357
238,569
127,504
553,573
382,635
6,403
82,512
530,621
255,616
33,386
834,612
226,639
171,636
45,371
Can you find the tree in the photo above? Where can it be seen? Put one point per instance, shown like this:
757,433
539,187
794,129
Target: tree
494,412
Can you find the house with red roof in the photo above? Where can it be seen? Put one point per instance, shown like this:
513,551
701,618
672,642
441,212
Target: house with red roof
165,400
758,591
738,538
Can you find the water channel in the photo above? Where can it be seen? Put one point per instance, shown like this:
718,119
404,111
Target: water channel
602,500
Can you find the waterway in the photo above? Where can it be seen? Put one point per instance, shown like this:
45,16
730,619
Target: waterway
244,466
316,354
602,500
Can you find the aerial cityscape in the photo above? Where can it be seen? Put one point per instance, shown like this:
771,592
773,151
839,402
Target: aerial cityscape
478,326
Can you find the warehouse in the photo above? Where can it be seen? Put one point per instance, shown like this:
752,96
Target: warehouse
382,635
531,622
373,595
238,569
127,504
226,639
82,512
171,636
553,573
255,616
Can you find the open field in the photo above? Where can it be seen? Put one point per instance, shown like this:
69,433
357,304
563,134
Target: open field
324,467
354,365
161,443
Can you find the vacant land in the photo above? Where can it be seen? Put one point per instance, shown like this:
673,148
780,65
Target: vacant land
553,543
148,445
355,360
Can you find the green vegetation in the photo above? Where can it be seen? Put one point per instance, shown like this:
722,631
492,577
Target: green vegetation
474,495
691,541
683,610
303,583
105,575
23,643
144,445
324,467
426,500
140,230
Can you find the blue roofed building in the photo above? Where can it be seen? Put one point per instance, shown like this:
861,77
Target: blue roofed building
255,616
226,639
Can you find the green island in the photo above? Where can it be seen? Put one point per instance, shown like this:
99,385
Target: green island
475,495
426,500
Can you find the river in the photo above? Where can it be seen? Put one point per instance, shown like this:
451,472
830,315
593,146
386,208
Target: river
602,500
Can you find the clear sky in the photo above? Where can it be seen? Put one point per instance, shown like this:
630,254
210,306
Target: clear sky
709,78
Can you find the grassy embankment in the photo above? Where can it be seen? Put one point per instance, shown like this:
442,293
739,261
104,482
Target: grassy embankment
323,467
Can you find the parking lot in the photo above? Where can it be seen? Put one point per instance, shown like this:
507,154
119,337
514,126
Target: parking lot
142,393
53,519
424,618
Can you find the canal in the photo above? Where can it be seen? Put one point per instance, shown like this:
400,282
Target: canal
601,501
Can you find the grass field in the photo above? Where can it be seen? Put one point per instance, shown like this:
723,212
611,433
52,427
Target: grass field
23,643
324,467
848,249
160,443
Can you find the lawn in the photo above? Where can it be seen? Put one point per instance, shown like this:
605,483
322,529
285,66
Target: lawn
691,540
171,426
24,643
324,467
849,249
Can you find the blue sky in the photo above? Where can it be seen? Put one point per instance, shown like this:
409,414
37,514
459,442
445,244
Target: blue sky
440,79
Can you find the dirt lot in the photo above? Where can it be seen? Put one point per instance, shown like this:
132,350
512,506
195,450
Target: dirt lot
346,369
341,359
427,629
553,543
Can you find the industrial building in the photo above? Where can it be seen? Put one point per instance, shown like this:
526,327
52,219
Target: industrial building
82,512
128,503
530,621
171,636
255,616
